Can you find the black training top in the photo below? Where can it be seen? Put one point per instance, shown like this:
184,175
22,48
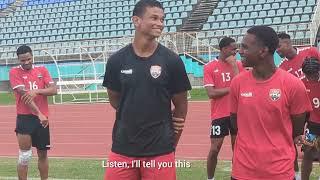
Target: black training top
143,125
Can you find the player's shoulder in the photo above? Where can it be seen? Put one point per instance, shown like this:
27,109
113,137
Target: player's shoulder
167,54
40,68
306,51
120,54
212,63
15,69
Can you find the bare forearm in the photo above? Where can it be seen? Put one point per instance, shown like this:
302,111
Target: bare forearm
114,103
218,93
179,112
49,91
114,98
32,105
34,108
233,121
298,123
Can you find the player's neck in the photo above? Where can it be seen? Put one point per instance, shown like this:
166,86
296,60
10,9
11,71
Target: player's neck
264,70
222,57
143,46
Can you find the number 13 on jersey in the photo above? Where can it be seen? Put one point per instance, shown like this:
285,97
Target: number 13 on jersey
226,77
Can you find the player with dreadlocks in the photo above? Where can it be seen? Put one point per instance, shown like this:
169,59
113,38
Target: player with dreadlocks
311,69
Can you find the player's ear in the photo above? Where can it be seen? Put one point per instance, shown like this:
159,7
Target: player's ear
135,20
264,51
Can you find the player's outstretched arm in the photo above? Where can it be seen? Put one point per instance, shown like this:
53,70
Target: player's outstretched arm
114,98
179,113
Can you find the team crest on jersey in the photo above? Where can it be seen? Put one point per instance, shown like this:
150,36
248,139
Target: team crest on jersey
275,94
155,71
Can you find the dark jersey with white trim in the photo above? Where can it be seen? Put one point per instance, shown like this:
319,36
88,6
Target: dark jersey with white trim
143,125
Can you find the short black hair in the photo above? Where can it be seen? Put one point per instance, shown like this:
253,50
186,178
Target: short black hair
141,6
283,36
23,50
266,35
226,41
310,66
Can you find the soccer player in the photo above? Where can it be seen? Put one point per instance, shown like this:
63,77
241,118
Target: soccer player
268,108
217,78
31,85
142,80
293,59
311,69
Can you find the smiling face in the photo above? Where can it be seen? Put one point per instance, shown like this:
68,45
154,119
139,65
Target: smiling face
249,50
150,23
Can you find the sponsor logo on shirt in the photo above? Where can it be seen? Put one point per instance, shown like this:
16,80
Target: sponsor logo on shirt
275,94
24,77
39,76
308,90
126,71
155,71
216,70
246,94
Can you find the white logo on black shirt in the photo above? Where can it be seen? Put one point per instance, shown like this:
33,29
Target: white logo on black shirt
126,71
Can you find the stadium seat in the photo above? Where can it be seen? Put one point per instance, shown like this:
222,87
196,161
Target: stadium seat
295,19
305,18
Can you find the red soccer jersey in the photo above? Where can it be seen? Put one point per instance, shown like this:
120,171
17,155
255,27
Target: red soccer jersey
264,148
219,74
36,78
313,89
294,65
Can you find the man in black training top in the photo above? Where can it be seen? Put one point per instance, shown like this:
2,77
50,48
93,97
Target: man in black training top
143,79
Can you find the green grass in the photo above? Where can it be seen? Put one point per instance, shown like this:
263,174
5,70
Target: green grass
7,98
92,169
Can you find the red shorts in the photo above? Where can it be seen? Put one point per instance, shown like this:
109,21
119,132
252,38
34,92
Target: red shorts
119,167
